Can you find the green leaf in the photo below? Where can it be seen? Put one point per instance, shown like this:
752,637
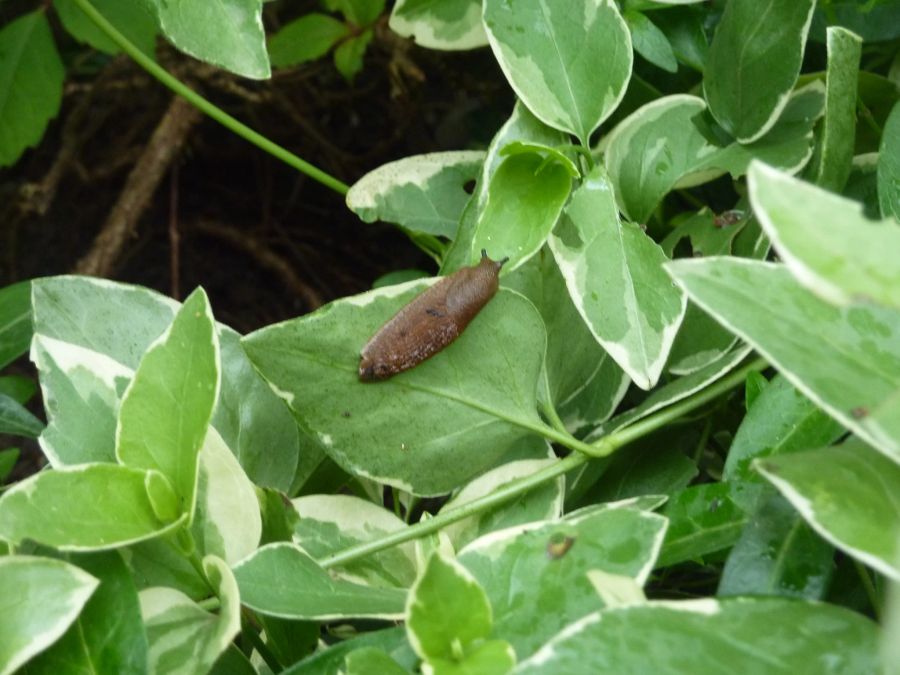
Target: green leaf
449,24
348,57
359,12
797,333
8,459
889,166
541,503
751,635
19,388
650,42
447,612
778,554
848,494
108,635
524,199
615,277
118,320
683,28
15,320
654,465
491,657
305,39
570,73
159,562
702,520
331,523
755,385
674,391
227,33
422,193
31,74
787,145
781,420
256,424
81,395
15,420
371,661
228,523
521,126
282,580
165,412
88,507
133,19
471,401
183,637
541,567
39,600
835,153
330,661
753,63
651,150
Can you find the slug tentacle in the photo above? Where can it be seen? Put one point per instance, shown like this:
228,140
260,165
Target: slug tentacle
431,321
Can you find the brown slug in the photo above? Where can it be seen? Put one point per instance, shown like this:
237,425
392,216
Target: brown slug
431,321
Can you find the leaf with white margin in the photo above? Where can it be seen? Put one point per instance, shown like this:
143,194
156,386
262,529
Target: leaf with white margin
448,25
108,636
332,523
568,60
165,412
39,599
526,194
88,507
837,139
81,390
672,392
422,193
752,636
849,494
184,638
797,333
543,565
227,33
227,523
889,166
121,321
282,580
582,382
753,63
447,611
825,240
780,421
652,149
472,401
521,126
542,503
615,276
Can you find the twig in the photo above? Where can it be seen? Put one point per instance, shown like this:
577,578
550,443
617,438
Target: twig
266,257
174,235
167,140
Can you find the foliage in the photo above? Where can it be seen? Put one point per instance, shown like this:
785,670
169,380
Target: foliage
678,186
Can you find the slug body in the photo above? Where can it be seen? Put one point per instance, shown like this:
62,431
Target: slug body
431,321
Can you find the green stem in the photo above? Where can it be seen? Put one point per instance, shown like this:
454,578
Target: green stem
207,107
871,591
600,448
248,629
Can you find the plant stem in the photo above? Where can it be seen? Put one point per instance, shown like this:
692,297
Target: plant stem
249,630
600,448
206,106
871,591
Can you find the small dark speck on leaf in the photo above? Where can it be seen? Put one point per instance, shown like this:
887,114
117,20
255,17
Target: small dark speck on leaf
469,186
346,413
714,505
859,412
